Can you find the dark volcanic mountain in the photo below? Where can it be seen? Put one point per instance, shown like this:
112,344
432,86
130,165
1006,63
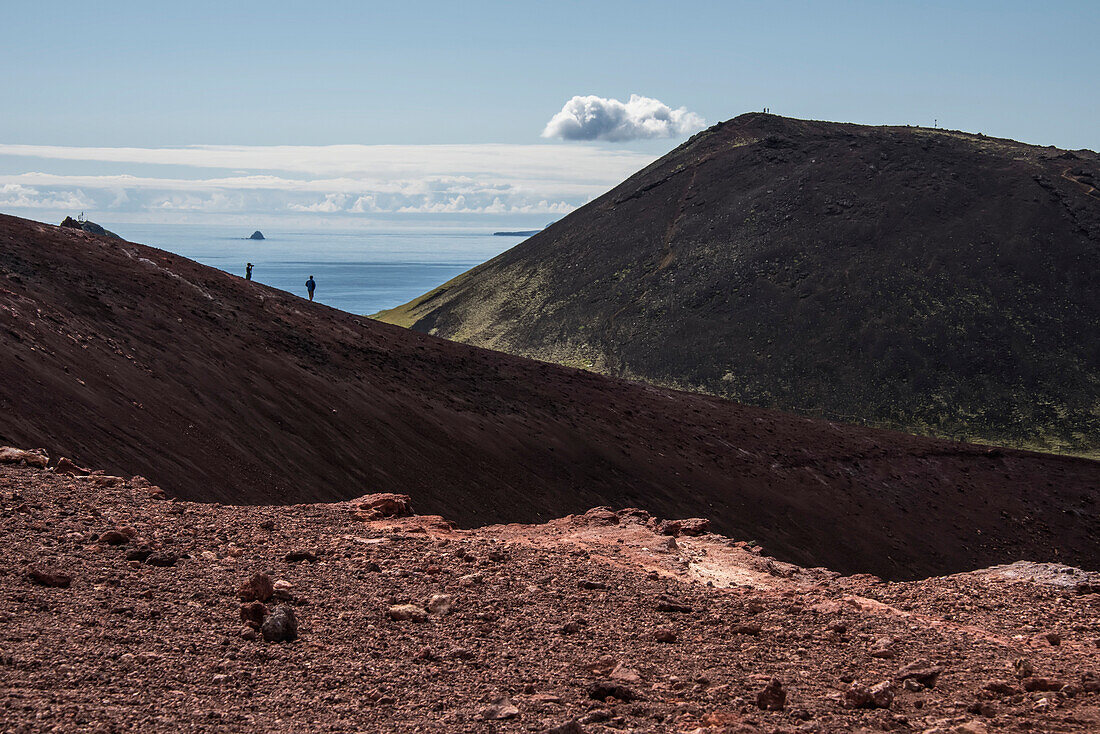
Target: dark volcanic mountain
129,359
928,280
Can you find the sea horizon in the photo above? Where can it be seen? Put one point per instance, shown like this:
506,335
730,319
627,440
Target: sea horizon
356,270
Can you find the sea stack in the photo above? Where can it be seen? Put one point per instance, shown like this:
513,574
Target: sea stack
257,235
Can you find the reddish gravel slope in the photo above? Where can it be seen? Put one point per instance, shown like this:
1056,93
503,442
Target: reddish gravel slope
539,625
141,362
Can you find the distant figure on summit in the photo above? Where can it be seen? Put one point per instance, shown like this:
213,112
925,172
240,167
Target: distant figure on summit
248,271
310,285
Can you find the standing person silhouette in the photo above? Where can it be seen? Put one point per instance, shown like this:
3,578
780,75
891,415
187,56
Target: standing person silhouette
310,285
248,271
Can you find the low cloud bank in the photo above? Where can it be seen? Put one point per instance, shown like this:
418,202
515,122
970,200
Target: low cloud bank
356,181
640,118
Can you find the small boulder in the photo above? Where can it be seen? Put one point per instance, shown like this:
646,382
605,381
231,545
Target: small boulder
440,604
407,613
922,672
878,696
257,588
665,634
570,727
1036,683
602,690
1023,667
257,235
162,559
114,537
253,614
139,554
772,697
280,625
670,604
382,505
625,675
499,710
51,579
65,466
687,526
599,517
300,555
1001,688
12,455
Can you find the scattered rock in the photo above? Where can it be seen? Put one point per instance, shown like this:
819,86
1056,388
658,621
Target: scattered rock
983,708
747,628
52,579
1023,667
267,525
11,455
300,555
921,671
1035,683
863,697
470,579
664,634
602,690
257,588
625,675
501,708
591,585
440,604
114,537
65,466
570,727
382,505
599,517
1053,638
139,554
1001,688
162,559
772,697
253,614
669,604
280,625
885,648
574,625
689,526
407,613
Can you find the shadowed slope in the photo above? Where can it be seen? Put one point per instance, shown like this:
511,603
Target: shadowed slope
134,360
927,280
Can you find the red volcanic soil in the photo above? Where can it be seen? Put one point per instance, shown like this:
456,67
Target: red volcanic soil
593,623
138,361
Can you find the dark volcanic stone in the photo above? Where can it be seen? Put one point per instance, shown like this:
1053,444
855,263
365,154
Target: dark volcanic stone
280,625
162,559
601,690
53,579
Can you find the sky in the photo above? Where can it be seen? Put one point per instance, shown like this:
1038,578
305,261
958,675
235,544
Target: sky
373,113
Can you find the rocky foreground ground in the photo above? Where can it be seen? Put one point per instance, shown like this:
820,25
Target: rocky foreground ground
121,609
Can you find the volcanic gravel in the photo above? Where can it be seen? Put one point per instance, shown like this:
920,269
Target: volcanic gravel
526,627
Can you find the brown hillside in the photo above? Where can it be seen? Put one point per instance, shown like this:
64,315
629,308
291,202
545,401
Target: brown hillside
927,280
141,362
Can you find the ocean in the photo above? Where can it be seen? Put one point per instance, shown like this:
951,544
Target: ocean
356,271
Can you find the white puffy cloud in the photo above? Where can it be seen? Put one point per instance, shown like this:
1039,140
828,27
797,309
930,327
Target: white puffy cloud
598,118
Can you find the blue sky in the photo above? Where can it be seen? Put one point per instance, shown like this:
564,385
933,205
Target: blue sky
254,75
